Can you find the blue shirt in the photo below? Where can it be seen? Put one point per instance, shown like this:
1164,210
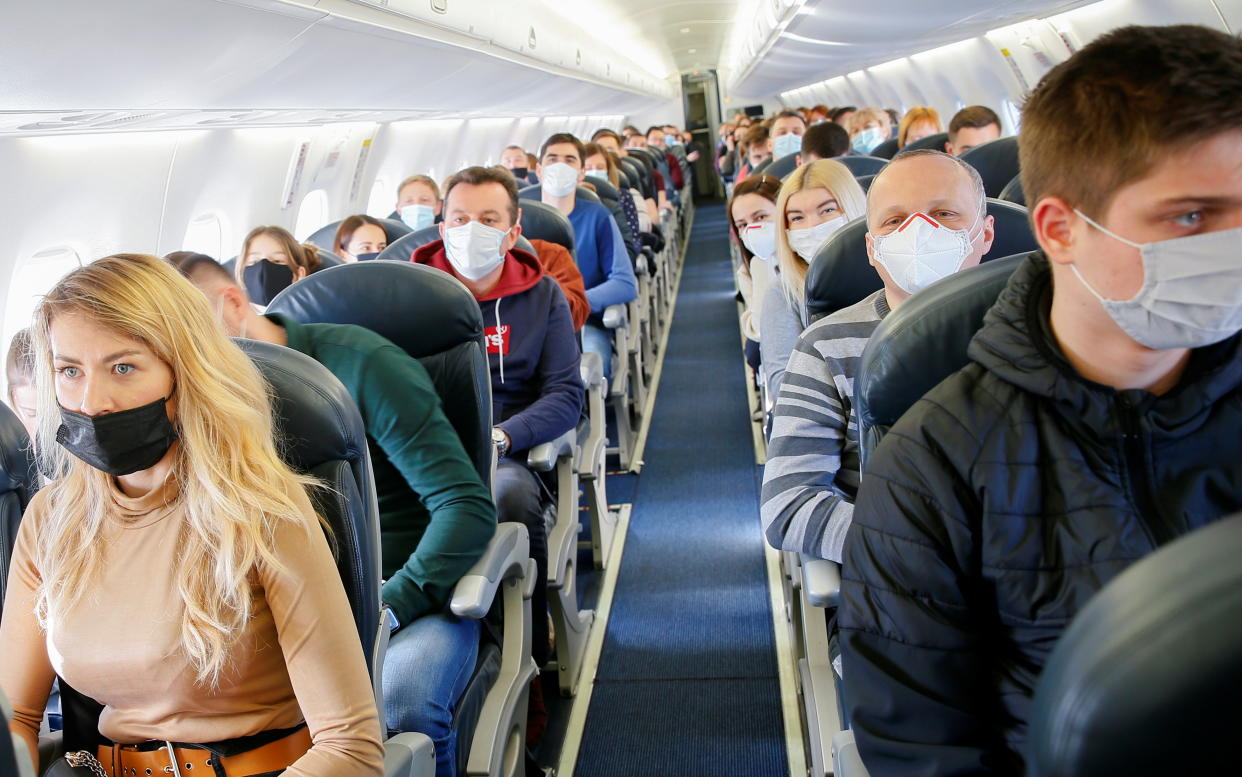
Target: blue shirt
602,260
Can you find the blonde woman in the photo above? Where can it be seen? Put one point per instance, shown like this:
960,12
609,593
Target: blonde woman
815,201
869,127
173,568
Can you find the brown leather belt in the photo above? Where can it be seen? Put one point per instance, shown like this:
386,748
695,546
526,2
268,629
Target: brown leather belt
129,761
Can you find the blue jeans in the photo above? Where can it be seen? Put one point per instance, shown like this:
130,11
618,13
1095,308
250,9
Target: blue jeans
428,664
598,340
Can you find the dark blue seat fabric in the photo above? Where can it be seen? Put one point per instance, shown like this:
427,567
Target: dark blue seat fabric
865,181
862,165
1145,679
885,150
921,343
1013,192
996,161
935,142
324,236
782,167
762,167
403,249
427,313
541,221
19,479
535,192
841,275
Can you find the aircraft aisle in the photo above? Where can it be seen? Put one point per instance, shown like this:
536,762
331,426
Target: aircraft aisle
687,681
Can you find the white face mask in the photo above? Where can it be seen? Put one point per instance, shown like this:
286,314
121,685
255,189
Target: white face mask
786,144
474,249
805,242
922,251
760,239
600,174
559,179
418,216
1191,294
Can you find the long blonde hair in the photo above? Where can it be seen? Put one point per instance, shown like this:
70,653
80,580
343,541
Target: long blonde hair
822,174
234,487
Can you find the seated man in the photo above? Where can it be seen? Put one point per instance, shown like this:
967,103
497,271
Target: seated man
516,161
418,201
436,516
972,126
823,141
602,259
812,474
1098,420
787,130
669,168
758,149
536,392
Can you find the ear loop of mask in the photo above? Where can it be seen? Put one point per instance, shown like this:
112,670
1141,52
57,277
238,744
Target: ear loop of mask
1074,265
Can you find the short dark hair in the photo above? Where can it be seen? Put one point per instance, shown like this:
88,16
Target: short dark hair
477,176
836,112
562,137
652,129
1103,118
825,140
791,115
604,131
196,267
973,116
348,226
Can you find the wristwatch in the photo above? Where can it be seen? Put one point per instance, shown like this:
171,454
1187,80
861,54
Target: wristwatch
501,440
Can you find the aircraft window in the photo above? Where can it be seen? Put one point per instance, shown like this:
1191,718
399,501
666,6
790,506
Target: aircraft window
32,278
205,234
312,214
380,203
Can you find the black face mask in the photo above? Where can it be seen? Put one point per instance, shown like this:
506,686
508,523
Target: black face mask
520,173
366,257
265,279
118,443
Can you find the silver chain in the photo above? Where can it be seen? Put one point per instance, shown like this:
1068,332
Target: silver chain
84,758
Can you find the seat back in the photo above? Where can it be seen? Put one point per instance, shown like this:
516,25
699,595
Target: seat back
762,167
996,161
535,192
1145,679
403,249
324,236
862,165
19,479
841,275
636,170
864,181
1013,192
935,142
605,190
886,150
920,344
427,313
541,221
783,166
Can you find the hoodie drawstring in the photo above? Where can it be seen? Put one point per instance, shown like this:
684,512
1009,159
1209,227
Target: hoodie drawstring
502,347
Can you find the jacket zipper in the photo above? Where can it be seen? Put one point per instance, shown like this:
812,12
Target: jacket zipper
501,347
1142,490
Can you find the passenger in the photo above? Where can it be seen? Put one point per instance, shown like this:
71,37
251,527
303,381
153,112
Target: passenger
869,127
637,140
418,201
693,151
926,219
599,163
972,126
602,259
436,516
919,122
19,374
646,201
271,260
815,201
1098,420
628,130
359,238
758,149
205,559
818,114
669,167
536,392
843,115
514,159
752,225
787,130
532,162
824,141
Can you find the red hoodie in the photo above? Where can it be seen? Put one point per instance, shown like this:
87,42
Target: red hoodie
522,270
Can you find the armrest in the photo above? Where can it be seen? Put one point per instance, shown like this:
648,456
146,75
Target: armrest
542,458
822,581
409,755
845,756
505,557
614,316
591,370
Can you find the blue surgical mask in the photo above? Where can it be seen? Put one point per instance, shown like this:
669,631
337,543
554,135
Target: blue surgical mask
672,140
600,174
417,217
786,144
867,140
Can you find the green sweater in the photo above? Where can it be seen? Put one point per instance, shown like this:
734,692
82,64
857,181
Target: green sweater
436,516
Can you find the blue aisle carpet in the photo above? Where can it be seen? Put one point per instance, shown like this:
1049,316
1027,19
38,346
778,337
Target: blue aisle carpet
687,683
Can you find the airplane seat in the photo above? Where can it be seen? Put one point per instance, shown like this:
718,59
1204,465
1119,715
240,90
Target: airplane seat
886,150
996,161
403,248
840,274
865,181
935,142
436,320
1013,192
783,166
1145,679
14,757
862,165
535,192
19,480
762,167
323,237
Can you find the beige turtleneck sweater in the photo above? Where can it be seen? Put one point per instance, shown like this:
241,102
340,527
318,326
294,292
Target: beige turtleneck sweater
298,659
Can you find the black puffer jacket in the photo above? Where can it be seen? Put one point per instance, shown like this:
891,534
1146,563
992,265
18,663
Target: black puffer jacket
992,512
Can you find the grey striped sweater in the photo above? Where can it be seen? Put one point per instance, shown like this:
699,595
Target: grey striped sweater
811,477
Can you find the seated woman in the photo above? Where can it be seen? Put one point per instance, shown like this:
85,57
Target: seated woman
173,568
869,127
814,202
272,259
599,164
359,238
752,225
919,122
19,374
